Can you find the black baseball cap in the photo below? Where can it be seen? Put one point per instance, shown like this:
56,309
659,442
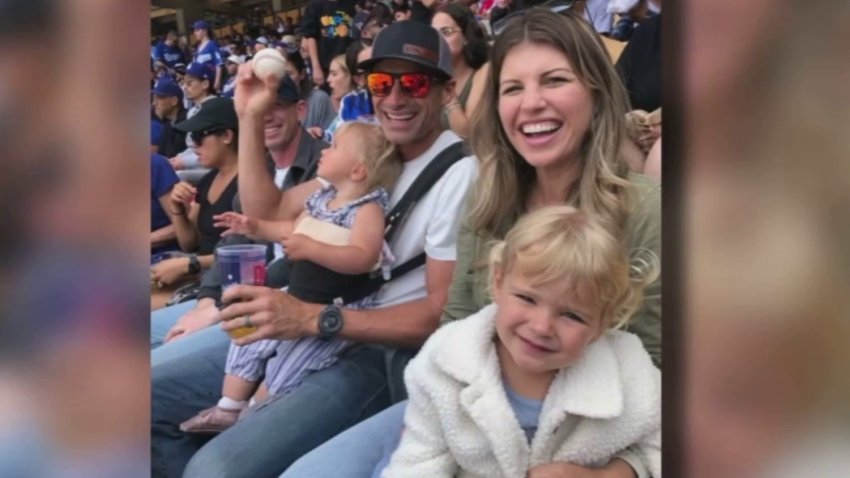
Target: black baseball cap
415,42
288,90
215,113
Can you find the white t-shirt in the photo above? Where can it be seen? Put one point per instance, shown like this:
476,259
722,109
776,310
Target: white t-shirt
279,176
432,225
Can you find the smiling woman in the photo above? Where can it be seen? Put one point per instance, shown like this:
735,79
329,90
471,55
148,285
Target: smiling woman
560,122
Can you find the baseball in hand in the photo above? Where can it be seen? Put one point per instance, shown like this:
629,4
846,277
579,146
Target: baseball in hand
268,60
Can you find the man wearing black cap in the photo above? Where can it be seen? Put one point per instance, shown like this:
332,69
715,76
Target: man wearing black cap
409,77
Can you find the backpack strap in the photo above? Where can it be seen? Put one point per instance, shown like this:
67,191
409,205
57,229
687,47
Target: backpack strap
421,185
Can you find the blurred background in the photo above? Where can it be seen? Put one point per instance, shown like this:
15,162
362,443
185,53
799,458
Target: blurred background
765,227
757,195
74,360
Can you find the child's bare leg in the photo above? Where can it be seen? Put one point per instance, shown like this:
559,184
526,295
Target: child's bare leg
262,393
235,394
237,389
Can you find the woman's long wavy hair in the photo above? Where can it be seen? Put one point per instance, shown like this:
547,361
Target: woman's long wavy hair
505,179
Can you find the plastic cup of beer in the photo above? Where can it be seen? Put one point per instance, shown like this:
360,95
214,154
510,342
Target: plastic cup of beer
242,264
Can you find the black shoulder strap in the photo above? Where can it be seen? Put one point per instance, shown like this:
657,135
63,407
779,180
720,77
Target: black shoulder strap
421,185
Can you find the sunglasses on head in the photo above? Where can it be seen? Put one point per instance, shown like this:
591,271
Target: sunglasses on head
554,6
414,85
197,137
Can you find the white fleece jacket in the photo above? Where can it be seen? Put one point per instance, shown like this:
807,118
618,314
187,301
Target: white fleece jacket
459,422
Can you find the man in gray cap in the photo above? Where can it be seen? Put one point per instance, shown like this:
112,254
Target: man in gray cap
409,77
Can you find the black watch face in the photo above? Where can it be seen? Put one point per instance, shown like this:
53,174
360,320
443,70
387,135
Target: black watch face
331,320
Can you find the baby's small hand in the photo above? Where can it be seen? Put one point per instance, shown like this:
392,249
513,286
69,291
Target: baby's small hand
235,224
298,246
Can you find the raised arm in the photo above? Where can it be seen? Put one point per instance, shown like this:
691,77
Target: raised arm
260,197
183,213
459,115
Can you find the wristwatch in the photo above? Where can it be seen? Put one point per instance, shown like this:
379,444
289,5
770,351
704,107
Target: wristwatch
330,322
194,264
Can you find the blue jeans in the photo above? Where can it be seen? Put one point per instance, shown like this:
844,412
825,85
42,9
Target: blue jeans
182,385
278,432
362,451
163,320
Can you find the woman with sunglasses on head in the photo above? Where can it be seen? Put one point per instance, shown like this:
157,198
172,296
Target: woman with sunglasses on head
547,132
356,105
468,44
341,82
191,209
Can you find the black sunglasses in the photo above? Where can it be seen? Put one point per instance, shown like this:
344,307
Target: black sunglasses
554,6
197,137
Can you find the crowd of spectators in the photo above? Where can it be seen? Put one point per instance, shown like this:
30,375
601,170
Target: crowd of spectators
553,103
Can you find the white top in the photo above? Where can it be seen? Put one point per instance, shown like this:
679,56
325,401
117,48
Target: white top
432,225
596,12
459,423
279,176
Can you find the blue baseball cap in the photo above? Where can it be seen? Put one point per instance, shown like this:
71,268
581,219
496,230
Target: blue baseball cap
202,71
201,24
166,86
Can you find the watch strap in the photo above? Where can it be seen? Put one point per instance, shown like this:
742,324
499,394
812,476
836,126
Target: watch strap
194,264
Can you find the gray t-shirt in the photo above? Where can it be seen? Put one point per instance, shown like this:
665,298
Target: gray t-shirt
320,111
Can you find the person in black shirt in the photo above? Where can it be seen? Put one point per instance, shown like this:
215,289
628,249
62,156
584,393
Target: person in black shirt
191,210
640,66
327,26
